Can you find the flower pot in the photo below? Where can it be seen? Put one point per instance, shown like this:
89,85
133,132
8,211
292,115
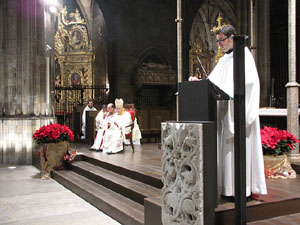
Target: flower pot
52,157
278,166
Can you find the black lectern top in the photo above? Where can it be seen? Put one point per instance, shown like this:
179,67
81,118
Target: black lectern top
197,100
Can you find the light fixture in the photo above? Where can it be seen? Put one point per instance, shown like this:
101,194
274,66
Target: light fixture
52,9
51,2
48,48
12,167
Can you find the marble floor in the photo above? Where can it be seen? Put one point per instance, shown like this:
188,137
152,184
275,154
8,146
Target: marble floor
25,199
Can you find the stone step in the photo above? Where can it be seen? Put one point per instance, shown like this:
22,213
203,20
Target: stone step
152,208
130,188
122,209
293,219
296,167
138,174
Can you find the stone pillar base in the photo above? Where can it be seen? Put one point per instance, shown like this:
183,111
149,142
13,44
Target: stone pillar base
189,173
16,143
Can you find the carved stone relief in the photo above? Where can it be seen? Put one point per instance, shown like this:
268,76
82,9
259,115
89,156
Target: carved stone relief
153,73
182,174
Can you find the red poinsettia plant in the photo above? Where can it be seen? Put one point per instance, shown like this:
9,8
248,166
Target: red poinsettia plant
53,133
277,142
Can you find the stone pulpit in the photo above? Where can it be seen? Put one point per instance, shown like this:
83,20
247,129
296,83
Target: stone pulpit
190,157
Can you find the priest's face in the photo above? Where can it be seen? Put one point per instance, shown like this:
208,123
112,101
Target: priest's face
90,104
110,109
225,43
119,110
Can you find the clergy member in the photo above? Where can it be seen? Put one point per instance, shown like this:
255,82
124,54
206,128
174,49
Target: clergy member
222,76
124,117
89,107
112,135
99,128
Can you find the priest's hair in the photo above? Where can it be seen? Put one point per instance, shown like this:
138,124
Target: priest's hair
227,30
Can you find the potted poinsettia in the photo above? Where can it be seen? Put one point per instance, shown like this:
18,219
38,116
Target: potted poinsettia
277,144
54,145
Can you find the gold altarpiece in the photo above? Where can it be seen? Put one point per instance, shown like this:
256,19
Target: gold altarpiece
199,52
73,53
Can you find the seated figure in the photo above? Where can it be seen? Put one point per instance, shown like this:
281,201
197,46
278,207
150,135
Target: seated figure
117,126
99,128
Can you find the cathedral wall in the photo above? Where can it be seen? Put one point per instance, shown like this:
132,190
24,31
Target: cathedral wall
137,29
24,94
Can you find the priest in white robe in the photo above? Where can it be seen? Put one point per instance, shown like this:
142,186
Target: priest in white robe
113,135
99,128
89,107
124,117
117,128
222,76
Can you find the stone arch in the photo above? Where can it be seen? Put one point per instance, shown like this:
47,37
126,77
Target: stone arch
201,40
154,54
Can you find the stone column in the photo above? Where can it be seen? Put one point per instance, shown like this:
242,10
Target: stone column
292,86
23,103
262,50
178,20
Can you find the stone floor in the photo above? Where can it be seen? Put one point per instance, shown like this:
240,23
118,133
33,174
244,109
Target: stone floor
25,199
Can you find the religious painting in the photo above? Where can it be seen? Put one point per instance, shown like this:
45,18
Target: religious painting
75,79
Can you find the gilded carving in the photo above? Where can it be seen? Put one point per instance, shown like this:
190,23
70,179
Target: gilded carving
182,174
73,51
197,54
220,24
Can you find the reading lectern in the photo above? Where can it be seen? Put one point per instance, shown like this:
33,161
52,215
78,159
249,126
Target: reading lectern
197,100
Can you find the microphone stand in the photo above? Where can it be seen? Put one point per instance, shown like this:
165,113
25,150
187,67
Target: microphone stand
202,67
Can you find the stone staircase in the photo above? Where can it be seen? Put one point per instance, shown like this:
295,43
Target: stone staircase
118,192
134,198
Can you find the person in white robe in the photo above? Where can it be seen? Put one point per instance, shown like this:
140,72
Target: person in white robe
124,117
113,136
99,128
222,76
117,128
89,107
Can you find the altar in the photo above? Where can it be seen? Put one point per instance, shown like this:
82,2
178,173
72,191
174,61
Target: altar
273,117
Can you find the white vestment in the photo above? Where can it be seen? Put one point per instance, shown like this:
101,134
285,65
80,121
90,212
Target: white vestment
125,121
113,135
136,134
222,76
100,129
87,108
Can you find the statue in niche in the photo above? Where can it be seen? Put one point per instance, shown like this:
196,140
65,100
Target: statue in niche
75,17
76,37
